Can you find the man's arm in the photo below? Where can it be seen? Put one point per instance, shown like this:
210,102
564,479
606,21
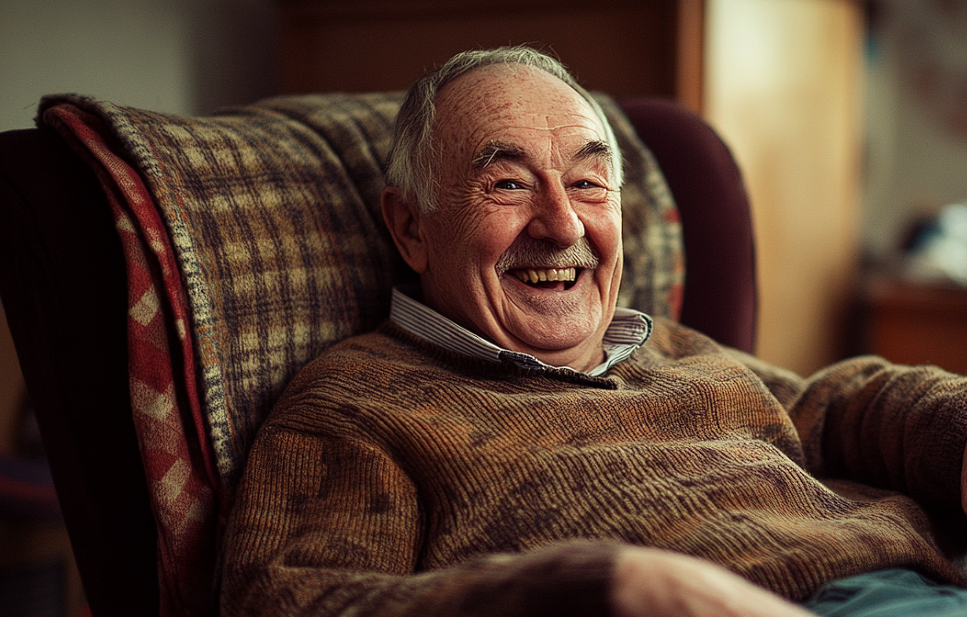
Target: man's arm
890,426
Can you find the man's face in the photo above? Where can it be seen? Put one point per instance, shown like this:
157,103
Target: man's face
524,247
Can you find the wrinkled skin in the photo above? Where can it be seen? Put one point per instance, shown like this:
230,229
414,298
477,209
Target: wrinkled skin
520,160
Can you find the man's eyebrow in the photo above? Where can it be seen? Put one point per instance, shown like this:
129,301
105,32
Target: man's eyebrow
499,150
495,151
595,149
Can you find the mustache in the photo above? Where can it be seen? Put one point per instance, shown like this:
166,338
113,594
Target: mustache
528,252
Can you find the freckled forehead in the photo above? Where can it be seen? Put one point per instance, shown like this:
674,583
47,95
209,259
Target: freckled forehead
497,100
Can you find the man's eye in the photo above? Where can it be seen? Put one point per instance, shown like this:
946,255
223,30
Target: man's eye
507,185
586,184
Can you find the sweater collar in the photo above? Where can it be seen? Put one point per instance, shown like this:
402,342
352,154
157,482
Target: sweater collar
629,329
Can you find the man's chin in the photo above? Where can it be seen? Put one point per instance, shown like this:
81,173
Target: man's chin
554,336
552,322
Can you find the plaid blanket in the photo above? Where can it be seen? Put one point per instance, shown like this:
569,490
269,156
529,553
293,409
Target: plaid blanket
254,240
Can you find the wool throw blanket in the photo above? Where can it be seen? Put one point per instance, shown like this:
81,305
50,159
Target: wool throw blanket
254,241
396,478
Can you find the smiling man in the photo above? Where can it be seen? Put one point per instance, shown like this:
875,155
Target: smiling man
509,443
521,242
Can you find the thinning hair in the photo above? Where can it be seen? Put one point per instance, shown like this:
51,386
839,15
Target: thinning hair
409,166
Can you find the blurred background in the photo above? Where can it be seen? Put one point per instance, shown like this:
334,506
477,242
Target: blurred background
847,117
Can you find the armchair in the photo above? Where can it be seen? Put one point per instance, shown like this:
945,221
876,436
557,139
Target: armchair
164,276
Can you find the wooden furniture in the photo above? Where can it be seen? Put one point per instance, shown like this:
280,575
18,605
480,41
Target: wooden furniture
623,47
917,323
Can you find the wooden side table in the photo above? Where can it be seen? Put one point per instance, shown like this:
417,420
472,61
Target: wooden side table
917,323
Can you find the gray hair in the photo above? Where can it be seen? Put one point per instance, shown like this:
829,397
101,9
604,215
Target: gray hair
409,165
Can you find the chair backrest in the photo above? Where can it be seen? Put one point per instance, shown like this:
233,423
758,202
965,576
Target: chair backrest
77,292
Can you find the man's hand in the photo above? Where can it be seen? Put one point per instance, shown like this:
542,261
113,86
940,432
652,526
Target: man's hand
659,583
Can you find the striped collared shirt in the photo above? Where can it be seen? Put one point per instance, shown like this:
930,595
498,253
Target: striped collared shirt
628,331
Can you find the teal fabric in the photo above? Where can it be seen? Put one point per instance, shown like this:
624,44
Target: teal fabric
889,593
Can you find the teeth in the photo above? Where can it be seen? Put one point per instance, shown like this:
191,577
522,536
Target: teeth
550,274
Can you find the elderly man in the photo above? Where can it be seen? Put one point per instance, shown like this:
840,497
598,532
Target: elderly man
511,444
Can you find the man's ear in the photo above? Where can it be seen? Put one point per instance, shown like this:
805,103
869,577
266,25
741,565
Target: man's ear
404,221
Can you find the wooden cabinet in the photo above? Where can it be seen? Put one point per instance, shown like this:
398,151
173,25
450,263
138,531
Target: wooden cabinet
914,323
618,46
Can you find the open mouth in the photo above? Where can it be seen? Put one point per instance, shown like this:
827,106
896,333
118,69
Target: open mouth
547,278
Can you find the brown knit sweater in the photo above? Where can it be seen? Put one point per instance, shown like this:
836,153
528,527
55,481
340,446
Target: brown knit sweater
395,478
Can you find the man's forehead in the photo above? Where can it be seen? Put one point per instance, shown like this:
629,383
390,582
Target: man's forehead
534,117
553,118
519,96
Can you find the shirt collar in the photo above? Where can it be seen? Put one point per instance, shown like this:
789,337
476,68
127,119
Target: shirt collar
629,329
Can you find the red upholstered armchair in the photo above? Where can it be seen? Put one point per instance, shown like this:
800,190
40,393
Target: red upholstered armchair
163,278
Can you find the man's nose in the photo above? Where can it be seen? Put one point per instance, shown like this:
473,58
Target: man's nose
555,219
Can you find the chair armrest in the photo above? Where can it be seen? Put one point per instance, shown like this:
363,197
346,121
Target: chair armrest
61,265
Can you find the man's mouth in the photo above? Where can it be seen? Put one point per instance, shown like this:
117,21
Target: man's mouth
541,264
546,277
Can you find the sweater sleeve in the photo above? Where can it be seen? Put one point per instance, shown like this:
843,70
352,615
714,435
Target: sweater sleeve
332,526
897,427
